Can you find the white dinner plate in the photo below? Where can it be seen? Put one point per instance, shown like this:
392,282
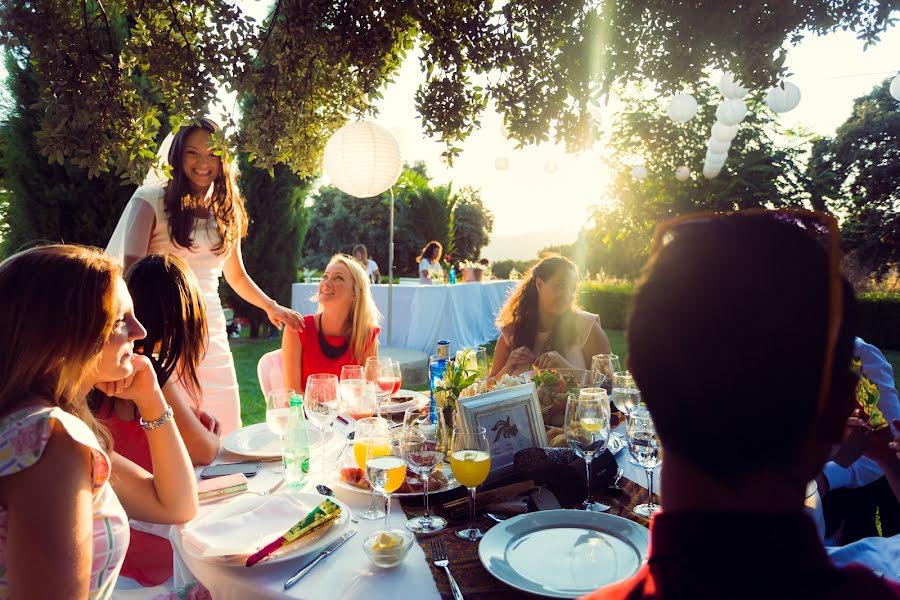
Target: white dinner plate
307,545
258,441
563,553
418,399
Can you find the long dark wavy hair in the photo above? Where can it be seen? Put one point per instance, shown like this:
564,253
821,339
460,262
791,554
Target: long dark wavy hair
224,201
169,304
432,248
519,316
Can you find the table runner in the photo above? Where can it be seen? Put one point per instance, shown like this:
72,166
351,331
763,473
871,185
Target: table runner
474,580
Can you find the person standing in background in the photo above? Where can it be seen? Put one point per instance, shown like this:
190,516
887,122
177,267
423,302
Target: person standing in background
361,254
429,260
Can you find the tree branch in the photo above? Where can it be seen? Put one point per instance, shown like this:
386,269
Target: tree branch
183,34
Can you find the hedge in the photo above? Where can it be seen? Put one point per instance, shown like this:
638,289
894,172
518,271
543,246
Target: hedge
879,312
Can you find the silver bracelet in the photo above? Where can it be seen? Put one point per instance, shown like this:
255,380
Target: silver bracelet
167,416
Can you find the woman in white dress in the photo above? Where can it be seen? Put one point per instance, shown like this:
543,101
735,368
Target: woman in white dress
199,215
429,260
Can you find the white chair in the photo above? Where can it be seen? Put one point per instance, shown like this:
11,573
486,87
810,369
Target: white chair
270,372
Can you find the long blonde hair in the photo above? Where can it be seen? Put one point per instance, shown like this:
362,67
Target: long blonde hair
364,315
43,352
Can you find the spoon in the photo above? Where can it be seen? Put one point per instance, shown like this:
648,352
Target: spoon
614,486
324,490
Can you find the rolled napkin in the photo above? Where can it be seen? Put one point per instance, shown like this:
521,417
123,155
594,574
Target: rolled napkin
243,526
320,516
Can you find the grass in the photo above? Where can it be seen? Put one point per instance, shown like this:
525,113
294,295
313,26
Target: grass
247,353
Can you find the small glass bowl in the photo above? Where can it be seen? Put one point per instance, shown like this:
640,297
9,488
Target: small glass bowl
388,548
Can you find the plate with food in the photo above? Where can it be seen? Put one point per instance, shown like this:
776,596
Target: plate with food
403,400
553,389
351,477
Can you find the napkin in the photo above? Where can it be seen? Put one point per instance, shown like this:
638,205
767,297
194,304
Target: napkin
244,525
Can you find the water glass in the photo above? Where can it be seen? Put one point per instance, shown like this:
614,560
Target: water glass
587,429
424,441
643,445
606,365
321,402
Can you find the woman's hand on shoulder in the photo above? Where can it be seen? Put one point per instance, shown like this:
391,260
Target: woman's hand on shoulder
281,317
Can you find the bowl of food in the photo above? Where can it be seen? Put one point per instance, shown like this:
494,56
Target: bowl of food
555,385
387,549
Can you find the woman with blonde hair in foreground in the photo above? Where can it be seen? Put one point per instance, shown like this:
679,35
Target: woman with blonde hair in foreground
343,332
65,495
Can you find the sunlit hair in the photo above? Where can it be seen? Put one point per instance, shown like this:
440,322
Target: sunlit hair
59,307
169,304
364,315
432,251
519,316
222,199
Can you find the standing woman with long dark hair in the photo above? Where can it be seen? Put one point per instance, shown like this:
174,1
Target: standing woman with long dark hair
198,215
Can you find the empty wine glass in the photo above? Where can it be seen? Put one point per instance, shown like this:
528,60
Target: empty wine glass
278,410
321,403
424,442
643,445
587,429
358,396
470,459
371,438
625,396
606,365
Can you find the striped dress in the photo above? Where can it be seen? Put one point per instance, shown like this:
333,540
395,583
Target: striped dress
23,437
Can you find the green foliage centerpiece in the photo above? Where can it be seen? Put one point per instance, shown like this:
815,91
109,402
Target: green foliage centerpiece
457,378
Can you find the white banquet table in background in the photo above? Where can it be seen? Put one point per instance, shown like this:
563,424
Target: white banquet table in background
463,313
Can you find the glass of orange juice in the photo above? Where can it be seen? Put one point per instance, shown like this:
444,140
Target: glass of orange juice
470,460
371,438
385,470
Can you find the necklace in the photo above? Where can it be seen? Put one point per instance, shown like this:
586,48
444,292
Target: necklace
327,349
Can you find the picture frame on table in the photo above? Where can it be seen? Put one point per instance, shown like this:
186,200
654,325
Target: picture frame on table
512,419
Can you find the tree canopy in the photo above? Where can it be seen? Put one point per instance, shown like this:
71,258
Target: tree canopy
317,63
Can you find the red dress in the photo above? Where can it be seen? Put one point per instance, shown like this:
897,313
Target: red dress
313,360
149,557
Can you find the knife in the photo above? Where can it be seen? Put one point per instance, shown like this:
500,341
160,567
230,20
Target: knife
328,550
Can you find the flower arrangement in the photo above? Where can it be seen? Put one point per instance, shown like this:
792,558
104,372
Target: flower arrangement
436,275
470,264
456,379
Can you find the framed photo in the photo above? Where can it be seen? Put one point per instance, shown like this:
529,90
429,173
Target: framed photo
512,419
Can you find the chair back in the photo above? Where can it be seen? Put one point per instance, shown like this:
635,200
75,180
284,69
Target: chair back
270,371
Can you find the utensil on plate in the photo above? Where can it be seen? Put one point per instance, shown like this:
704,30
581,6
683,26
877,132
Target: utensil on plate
267,492
614,486
327,491
439,558
330,549
496,518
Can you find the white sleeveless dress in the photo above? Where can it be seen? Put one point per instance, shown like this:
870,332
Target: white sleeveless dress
218,379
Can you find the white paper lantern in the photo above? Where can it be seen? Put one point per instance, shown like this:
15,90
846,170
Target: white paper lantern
639,172
730,88
731,112
362,159
783,98
717,147
715,162
682,108
723,133
895,87
711,172
682,173
501,163
550,167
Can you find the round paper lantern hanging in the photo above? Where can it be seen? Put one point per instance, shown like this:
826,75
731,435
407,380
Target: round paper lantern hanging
550,167
723,133
783,98
639,172
711,172
501,163
731,112
717,147
715,160
895,87
362,159
682,173
730,88
682,108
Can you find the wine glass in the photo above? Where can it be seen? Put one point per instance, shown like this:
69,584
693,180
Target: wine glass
424,443
587,429
643,445
358,396
278,410
606,365
385,471
470,459
321,403
625,395
352,372
385,374
371,432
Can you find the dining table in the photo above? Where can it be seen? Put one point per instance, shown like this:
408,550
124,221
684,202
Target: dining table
348,573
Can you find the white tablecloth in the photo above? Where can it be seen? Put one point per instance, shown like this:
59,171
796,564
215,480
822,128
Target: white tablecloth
463,313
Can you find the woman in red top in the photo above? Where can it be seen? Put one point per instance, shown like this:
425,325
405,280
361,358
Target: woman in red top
343,332
168,302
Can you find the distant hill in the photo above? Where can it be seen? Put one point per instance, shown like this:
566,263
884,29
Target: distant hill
525,246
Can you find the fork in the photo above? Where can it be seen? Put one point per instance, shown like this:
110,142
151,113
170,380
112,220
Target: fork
267,492
439,558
